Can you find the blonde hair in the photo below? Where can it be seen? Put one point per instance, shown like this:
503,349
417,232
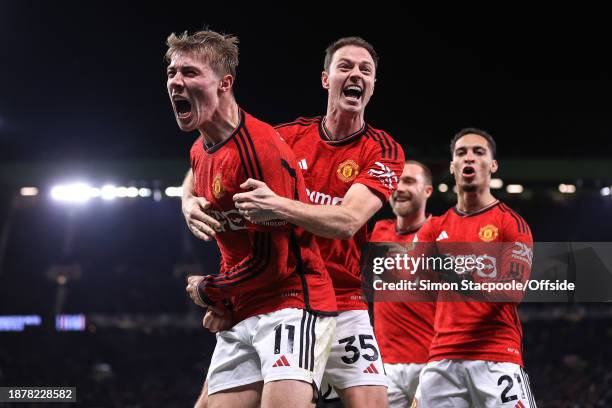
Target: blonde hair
219,50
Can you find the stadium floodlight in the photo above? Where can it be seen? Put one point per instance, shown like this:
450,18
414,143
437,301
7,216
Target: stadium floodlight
496,183
95,192
122,191
73,193
443,188
174,191
144,192
132,192
108,192
567,188
606,191
28,191
514,188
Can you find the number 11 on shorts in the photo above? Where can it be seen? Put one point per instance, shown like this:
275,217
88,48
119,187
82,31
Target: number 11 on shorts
290,337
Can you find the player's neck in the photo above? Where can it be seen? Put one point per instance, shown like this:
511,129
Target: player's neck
222,123
474,200
340,124
411,221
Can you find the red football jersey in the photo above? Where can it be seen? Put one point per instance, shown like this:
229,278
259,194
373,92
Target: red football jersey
370,157
480,330
264,267
404,330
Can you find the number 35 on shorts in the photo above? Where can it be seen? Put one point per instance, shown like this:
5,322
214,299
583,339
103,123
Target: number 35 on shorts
364,347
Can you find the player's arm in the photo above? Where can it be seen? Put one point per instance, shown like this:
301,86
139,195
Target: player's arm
330,221
194,210
514,262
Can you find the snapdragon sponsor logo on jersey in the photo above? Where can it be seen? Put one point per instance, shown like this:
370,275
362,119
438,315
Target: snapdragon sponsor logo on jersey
385,175
229,219
235,221
316,197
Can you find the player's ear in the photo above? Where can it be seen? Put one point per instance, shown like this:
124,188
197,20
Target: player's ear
226,83
428,191
450,167
325,80
494,166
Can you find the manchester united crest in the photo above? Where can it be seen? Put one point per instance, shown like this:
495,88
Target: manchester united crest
488,233
347,170
217,187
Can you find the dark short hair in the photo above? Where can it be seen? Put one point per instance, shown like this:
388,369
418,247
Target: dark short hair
426,172
343,42
474,131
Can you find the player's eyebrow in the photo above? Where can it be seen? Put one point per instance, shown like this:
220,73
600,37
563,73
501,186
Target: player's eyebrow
182,68
345,59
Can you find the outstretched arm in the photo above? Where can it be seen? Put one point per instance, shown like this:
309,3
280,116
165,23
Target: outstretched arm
330,221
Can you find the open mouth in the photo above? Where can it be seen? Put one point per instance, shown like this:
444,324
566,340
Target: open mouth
469,171
353,92
183,107
401,199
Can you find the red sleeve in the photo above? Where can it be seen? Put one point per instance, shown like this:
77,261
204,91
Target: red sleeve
384,167
515,258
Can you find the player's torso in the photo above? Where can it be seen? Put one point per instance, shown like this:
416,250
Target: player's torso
471,329
329,171
215,180
404,329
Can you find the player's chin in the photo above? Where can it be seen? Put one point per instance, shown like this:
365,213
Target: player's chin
186,123
469,187
351,105
185,127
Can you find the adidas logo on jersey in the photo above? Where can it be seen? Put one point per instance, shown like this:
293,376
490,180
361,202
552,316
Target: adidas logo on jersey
282,362
303,165
443,235
371,369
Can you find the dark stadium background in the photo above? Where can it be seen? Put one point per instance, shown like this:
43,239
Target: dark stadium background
83,98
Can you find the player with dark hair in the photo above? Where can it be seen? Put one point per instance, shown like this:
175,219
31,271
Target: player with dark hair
475,358
350,169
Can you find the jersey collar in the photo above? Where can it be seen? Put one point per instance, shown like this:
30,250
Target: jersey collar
325,136
476,212
212,148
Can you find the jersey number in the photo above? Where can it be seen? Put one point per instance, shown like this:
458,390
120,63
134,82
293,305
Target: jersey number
355,351
290,337
504,395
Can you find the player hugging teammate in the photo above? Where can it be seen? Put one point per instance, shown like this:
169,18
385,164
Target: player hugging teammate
288,208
